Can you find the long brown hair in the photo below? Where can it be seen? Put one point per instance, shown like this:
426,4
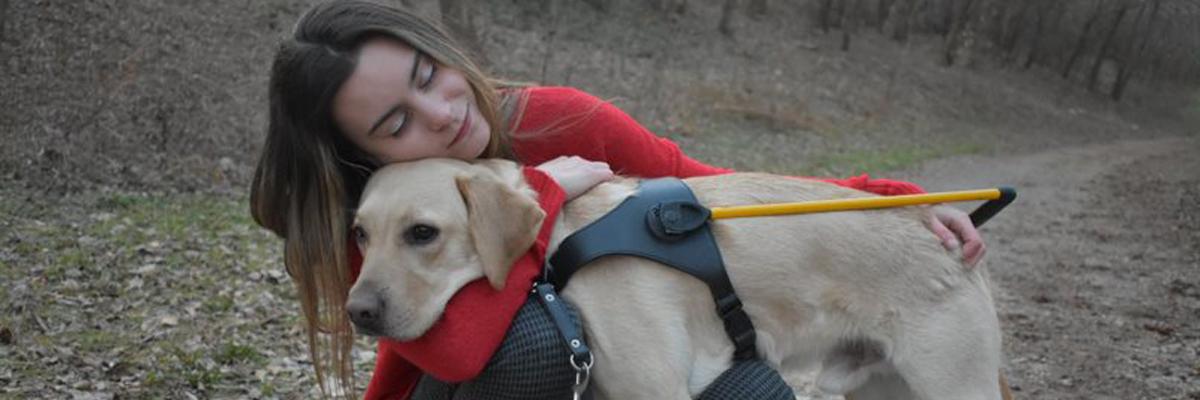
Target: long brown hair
309,176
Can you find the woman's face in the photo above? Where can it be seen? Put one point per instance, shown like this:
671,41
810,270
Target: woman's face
399,105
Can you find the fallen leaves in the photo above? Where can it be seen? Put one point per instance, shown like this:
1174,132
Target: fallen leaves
159,297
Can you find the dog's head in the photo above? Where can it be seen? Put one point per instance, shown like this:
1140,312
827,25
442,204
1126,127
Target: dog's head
426,229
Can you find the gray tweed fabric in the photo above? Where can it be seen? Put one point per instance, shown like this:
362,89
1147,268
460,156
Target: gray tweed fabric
531,364
750,379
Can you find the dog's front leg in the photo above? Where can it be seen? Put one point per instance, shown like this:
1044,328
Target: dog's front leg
637,323
638,370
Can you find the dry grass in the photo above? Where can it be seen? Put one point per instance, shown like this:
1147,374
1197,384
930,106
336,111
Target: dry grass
145,295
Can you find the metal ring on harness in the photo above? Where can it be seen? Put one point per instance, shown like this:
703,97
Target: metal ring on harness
585,366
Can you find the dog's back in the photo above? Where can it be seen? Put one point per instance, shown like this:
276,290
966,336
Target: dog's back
870,296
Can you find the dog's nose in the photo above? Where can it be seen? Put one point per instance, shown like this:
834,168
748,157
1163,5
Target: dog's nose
365,312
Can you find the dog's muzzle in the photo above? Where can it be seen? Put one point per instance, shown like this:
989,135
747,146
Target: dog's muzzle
366,312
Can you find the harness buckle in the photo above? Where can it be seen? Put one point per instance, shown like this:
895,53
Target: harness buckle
728,304
738,326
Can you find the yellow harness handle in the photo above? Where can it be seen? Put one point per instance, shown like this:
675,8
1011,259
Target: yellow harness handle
998,198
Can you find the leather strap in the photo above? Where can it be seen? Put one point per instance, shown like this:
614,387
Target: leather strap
581,355
663,222
562,320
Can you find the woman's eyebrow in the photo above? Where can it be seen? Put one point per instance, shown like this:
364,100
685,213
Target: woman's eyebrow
412,76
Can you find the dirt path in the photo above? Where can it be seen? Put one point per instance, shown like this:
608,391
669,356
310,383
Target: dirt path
1096,266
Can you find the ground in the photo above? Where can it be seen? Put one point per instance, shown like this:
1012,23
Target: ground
1095,266
130,268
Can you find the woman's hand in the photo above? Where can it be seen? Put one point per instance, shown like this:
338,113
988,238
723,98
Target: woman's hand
953,226
575,174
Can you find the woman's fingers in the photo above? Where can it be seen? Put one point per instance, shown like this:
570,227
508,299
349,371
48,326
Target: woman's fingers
576,175
938,227
973,247
957,222
973,252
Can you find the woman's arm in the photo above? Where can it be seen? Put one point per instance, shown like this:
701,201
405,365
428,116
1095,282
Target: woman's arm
570,122
561,121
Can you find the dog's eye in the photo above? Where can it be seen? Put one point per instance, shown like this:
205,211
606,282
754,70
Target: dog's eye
360,235
420,234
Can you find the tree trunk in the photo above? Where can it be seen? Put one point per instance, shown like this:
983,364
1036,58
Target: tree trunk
883,11
824,14
458,17
725,27
551,18
849,22
1081,44
1035,41
947,18
1134,54
954,41
1014,28
3,17
1094,74
839,14
895,24
905,12
1054,12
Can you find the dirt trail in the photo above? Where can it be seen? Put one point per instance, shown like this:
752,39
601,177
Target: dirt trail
1096,266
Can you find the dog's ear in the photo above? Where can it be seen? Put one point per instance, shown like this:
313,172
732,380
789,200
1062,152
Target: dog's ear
504,223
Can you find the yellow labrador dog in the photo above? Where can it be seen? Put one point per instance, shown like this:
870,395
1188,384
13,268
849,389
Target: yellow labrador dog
870,298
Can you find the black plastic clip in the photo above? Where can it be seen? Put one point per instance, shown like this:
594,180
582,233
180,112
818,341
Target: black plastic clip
738,327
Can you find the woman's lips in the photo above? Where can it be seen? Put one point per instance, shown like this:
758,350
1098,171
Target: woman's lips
463,128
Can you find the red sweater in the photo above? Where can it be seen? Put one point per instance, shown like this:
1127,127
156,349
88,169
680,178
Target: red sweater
476,319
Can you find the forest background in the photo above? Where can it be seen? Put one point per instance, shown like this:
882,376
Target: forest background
129,266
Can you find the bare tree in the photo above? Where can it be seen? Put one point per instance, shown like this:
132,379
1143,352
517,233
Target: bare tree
1157,39
1133,55
3,17
1049,15
1106,45
883,11
905,12
849,22
960,19
1014,22
727,10
839,13
1081,43
551,15
824,14
947,19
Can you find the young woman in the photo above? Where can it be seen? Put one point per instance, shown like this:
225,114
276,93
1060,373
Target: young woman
360,85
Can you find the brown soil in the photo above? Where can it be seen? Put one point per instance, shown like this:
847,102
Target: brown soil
1096,265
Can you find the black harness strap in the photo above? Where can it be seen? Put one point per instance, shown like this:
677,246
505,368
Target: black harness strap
674,232
581,356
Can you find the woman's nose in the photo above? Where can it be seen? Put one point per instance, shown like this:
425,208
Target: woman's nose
438,115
